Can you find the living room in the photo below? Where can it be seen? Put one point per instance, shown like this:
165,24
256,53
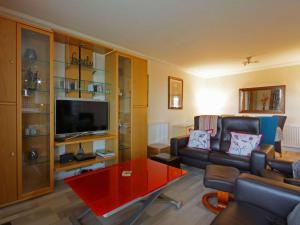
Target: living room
134,112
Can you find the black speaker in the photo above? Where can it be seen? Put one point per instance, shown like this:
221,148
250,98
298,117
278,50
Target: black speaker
65,158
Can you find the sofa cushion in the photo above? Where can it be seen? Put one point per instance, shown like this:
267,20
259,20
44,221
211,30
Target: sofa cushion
199,139
243,144
214,141
249,125
194,162
222,158
238,213
195,153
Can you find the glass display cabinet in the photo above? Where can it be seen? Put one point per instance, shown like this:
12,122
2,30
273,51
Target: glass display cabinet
125,80
36,111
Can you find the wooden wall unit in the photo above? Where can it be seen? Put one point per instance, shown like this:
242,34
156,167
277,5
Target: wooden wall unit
131,79
8,111
139,132
8,154
21,178
8,83
23,106
139,83
139,108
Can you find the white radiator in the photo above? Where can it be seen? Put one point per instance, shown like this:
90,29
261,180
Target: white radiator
158,133
291,136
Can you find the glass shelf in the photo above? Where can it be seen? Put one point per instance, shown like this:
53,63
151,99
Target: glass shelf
72,85
31,112
67,64
40,160
82,91
39,61
30,93
84,67
35,136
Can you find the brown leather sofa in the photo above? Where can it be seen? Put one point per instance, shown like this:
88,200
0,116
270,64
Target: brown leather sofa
220,144
259,201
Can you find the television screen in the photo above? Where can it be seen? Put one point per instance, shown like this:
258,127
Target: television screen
77,116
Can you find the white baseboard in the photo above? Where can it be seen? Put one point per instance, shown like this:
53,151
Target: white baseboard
292,149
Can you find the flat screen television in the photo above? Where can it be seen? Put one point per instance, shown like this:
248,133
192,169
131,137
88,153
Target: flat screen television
80,116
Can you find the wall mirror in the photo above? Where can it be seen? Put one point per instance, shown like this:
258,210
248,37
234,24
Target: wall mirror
262,100
175,93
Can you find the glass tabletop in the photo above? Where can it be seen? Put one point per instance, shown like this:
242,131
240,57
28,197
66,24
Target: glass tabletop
107,189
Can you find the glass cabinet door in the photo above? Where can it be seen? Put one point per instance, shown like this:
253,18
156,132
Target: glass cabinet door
124,108
35,109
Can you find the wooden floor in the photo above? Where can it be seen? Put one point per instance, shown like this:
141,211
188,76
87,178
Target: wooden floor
56,208
290,155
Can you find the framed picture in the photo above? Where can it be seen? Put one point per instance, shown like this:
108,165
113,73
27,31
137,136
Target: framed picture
175,93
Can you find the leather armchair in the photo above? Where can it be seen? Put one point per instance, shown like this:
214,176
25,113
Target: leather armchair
259,201
280,170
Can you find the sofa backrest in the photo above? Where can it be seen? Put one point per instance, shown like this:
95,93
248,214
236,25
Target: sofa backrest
214,141
237,124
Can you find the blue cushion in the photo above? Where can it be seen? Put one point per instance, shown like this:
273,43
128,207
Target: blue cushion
268,126
294,216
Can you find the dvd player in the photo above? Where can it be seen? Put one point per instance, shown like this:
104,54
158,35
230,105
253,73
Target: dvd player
84,156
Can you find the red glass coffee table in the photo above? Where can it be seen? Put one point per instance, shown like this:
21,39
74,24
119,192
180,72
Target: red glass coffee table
110,190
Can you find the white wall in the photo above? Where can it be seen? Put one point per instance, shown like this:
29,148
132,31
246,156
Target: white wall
221,95
158,95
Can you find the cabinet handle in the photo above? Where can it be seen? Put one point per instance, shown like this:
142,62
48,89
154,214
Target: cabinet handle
12,154
11,61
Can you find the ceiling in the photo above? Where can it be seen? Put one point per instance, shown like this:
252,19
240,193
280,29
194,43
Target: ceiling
203,37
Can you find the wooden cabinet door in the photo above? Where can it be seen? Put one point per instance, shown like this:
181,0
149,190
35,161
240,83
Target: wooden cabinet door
8,32
8,165
139,132
139,82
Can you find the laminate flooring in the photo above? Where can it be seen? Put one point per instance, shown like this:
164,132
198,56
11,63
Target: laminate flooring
57,208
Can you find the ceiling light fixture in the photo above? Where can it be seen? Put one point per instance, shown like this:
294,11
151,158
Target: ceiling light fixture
249,60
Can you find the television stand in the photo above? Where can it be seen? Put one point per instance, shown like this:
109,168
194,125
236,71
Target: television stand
84,138
66,138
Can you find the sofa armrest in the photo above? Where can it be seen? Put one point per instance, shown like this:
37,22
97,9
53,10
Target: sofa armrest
292,181
268,150
177,143
283,166
276,197
259,158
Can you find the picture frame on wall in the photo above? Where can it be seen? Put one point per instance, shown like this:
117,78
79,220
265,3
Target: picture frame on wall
175,93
